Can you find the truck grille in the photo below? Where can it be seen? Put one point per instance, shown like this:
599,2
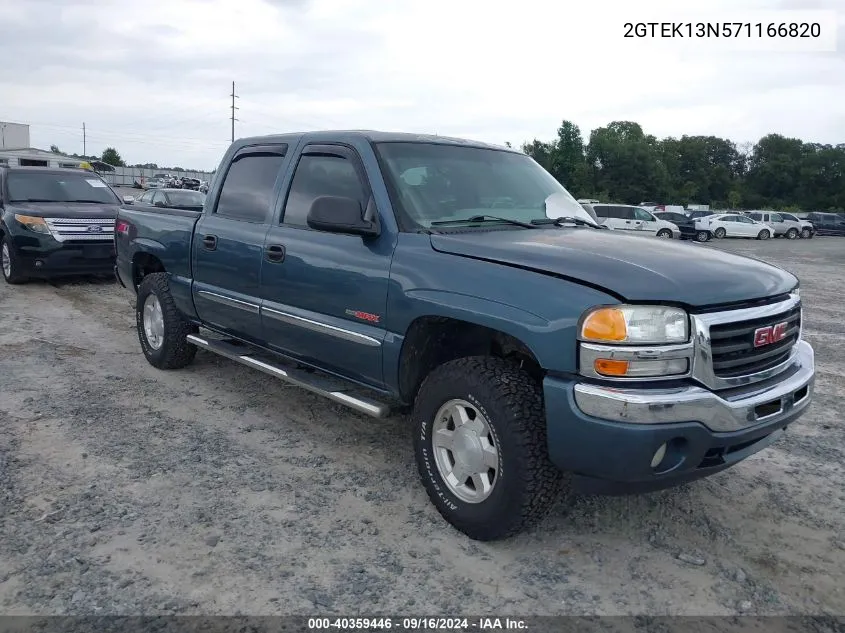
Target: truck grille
81,229
732,344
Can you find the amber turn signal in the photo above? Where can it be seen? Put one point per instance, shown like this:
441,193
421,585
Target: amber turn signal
605,324
608,367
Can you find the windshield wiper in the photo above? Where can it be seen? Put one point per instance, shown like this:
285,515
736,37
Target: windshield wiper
568,219
33,200
91,201
484,218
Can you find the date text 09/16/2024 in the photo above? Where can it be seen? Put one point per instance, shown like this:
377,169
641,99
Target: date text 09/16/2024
418,624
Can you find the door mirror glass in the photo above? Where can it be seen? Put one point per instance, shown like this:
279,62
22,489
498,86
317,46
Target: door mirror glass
336,214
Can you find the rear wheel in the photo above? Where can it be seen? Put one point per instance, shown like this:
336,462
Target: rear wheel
162,330
791,234
702,236
10,262
664,234
719,233
480,445
764,235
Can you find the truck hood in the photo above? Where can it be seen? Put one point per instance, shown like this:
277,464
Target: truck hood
631,267
65,209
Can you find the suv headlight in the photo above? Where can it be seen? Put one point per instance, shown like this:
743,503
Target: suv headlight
33,223
635,325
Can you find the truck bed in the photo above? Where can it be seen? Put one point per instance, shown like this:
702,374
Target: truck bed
165,232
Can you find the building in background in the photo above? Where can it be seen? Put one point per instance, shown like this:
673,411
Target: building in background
13,135
32,157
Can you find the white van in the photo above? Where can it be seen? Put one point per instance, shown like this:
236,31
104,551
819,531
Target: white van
626,217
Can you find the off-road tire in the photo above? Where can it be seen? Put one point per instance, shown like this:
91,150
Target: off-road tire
791,234
175,352
764,235
702,236
14,277
719,233
528,484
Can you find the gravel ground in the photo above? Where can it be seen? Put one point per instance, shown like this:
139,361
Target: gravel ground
219,490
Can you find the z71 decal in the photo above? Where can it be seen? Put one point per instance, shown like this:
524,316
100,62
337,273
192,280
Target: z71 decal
364,316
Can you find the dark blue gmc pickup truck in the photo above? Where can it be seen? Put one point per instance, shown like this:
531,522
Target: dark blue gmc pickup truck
462,281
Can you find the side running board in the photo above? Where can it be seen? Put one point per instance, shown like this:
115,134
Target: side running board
332,388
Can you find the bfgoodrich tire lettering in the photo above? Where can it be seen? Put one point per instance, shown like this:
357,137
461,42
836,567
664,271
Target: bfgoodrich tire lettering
527,483
174,352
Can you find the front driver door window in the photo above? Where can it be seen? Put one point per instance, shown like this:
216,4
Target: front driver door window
647,221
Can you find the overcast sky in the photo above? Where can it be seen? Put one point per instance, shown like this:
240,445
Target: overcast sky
152,78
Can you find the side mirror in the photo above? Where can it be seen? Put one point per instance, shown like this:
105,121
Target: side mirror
128,199
335,214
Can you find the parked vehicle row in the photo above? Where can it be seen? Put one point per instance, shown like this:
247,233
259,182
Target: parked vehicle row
159,181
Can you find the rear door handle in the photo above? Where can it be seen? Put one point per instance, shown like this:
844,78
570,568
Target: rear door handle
210,242
275,253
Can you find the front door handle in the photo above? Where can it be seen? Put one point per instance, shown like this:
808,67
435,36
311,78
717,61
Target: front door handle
209,242
275,253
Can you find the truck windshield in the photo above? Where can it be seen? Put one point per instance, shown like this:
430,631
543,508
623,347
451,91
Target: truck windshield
439,183
32,186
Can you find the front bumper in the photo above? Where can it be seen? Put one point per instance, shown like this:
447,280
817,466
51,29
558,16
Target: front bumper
607,436
45,257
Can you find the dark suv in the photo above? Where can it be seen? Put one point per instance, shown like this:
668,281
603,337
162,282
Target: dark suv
55,222
685,224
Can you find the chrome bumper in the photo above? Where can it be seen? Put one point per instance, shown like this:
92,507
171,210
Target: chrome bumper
780,397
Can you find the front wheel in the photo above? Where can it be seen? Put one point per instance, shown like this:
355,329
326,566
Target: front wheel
763,235
791,234
480,445
719,233
162,329
702,236
806,234
664,234
10,262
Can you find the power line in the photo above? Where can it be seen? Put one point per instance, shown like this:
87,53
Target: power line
234,96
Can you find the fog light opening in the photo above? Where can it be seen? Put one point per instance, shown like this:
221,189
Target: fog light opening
38,263
659,455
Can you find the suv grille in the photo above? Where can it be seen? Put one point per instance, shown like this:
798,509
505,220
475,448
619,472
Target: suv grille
81,229
732,344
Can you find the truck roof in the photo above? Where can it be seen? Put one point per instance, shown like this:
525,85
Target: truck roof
373,136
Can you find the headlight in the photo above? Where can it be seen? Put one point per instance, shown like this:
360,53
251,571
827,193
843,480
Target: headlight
796,292
33,223
636,325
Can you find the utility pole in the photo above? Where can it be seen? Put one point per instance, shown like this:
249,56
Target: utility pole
84,152
234,96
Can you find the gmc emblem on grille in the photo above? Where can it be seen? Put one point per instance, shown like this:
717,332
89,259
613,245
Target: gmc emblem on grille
770,334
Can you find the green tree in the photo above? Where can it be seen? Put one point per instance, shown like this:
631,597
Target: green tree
626,163
111,157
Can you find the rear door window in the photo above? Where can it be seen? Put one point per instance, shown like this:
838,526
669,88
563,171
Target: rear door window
248,189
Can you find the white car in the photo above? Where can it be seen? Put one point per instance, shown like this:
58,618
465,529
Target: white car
734,225
785,224
626,217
